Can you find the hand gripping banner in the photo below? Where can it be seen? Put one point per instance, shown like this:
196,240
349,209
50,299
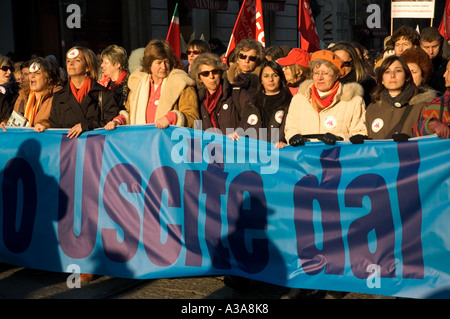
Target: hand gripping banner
140,202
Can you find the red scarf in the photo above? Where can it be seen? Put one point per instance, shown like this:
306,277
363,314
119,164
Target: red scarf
211,102
106,79
83,91
321,103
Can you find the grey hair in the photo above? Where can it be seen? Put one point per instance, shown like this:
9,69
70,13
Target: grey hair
206,59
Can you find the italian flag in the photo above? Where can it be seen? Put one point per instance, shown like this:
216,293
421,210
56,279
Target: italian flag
173,36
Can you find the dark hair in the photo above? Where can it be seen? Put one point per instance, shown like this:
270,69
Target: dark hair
200,44
357,63
431,34
384,66
408,33
274,52
51,69
278,70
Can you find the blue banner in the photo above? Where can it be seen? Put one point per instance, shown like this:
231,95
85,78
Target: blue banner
140,202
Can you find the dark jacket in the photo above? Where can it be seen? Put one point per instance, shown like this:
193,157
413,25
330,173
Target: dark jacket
382,117
66,112
437,81
244,85
8,96
254,117
226,113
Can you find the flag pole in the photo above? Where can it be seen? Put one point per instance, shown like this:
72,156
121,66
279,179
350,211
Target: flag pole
171,21
234,29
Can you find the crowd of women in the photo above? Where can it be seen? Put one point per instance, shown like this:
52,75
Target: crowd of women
282,95
285,96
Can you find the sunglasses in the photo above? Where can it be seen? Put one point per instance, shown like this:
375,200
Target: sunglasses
245,56
347,63
195,52
5,68
207,73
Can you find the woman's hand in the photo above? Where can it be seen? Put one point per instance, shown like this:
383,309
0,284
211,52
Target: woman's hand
111,125
39,128
2,126
442,130
234,136
75,131
280,145
162,123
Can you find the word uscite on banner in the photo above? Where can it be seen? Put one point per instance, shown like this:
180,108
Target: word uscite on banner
140,202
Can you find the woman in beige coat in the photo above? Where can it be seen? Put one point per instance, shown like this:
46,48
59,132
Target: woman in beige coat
159,93
326,107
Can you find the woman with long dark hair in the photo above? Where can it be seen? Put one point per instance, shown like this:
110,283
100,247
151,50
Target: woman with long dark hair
396,102
263,117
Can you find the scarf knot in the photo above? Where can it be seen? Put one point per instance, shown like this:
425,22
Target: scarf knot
322,102
83,91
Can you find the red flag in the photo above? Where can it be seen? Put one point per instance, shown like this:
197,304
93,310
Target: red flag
173,36
444,27
309,39
249,24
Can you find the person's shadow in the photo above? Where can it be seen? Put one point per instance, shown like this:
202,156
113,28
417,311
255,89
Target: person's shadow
28,215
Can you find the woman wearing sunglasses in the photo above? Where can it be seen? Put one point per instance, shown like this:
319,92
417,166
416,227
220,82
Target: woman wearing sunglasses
243,74
217,109
9,88
44,82
264,116
194,49
83,104
159,94
354,68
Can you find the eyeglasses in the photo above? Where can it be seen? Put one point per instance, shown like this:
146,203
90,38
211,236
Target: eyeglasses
5,68
195,52
324,74
207,73
347,63
252,58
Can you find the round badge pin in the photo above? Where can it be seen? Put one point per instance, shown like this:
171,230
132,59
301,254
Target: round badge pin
73,53
330,122
279,116
398,104
252,119
377,125
34,67
2,90
225,106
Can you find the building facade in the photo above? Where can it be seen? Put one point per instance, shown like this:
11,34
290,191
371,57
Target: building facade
43,27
